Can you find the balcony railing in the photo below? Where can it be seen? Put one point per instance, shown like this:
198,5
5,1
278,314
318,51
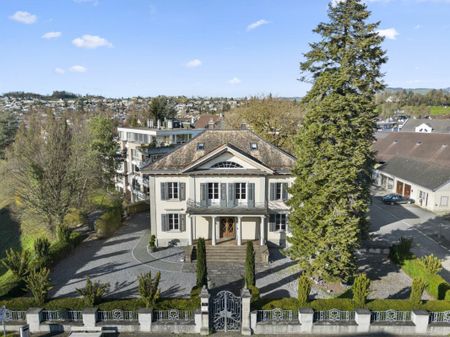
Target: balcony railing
224,206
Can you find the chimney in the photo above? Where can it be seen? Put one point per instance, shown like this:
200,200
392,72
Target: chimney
211,124
243,126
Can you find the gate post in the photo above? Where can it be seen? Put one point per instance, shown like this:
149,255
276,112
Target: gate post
246,323
204,300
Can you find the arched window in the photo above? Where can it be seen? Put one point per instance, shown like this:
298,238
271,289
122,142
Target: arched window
226,164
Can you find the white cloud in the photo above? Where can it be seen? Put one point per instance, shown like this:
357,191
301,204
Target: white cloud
388,33
60,71
419,26
256,24
24,17
234,81
78,69
91,41
51,35
193,63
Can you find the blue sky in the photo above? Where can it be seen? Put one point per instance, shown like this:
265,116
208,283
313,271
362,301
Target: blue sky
236,48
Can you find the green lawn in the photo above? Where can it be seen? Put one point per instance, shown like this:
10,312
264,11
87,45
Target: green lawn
439,110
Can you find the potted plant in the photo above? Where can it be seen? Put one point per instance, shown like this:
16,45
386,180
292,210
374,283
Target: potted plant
152,243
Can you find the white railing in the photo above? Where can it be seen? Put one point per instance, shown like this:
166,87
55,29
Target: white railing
334,315
15,315
276,315
173,315
391,316
61,315
440,317
117,315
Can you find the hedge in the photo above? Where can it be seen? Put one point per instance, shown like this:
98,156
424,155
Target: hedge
436,285
60,249
137,207
109,221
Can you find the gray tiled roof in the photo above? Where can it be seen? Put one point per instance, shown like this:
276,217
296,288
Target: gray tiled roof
240,140
438,125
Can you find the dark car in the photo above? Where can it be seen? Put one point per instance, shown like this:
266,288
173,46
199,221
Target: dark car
395,198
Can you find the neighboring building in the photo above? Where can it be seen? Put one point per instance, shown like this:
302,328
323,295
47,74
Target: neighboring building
140,146
427,126
222,185
416,165
209,121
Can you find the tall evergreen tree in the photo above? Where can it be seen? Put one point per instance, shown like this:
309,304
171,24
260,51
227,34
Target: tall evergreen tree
330,196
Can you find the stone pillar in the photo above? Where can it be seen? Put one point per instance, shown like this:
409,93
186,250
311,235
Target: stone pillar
420,318
90,317
306,319
239,231
198,321
145,320
362,318
189,230
262,232
34,319
253,319
204,302
246,323
213,230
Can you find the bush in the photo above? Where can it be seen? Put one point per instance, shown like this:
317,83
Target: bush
109,221
38,284
74,218
401,251
250,265
304,289
201,263
360,290
42,251
149,288
417,289
63,233
254,291
17,262
287,303
93,292
59,249
137,207
123,304
152,243
431,264
332,303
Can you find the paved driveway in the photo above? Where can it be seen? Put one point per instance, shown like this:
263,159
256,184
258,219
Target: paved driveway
431,233
119,260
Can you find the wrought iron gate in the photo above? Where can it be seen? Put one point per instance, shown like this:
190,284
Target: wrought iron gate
226,312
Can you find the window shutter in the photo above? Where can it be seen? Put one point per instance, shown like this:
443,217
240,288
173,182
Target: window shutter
183,222
231,195
203,194
164,190
251,195
273,191
272,223
164,222
223,195
284,191
182,191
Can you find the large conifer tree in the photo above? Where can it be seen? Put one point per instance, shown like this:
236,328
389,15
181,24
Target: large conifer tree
330,196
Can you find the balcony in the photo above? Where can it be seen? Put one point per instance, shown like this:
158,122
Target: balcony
224,208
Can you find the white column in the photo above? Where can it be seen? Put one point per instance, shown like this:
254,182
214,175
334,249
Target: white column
239,231
262,233
189,230
213,231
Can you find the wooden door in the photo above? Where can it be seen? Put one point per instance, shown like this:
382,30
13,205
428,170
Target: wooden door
399,187
227,227
407,190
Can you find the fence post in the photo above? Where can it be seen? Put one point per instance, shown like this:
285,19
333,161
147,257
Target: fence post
34,319
253,320
420,318
362,318
306,319
204,300
246,327
145,317
89,317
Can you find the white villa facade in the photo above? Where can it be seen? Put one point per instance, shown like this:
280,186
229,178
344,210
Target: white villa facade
223,185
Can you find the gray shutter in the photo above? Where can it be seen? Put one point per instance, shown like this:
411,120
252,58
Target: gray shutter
272,223
251,195
284,191
164,222
223,195
164,191
231,195
273,191
203,194
182,191
183,222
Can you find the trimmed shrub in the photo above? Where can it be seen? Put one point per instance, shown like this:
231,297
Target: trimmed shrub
38,284
201,263
287,303
17,262
360,290
304,289
431,263
93,292
250,265
74,218
137,207
417,289
149,288
254,291
401,251
131,304
109,221
152,243
63,233
59,250
42,251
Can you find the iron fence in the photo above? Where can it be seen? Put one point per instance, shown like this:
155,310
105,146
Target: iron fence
61,315
117,315
391,316
172,315
276,315
15,315
440,317
334,315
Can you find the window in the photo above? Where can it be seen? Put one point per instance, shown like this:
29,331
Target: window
213,191
172,191
278,222
444,201
226,164
253,146
278,191
174,222
241,191
200,146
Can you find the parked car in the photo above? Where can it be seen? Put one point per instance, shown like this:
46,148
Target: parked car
395,198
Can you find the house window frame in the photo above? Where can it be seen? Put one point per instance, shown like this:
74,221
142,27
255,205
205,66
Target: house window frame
213,191
441,204
278,191
280,222
174,222
240,192
173,192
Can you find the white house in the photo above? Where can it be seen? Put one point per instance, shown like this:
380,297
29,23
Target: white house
424,128
223,185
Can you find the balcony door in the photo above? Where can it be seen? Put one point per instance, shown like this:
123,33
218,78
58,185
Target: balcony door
227,228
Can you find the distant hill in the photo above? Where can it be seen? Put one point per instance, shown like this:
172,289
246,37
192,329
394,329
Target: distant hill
421,91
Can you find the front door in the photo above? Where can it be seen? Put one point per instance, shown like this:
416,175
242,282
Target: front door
227,227
399,187
407,190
